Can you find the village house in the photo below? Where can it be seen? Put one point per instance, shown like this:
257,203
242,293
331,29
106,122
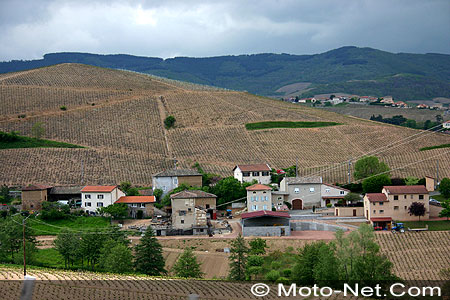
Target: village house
259,197
301,192
248,173
393,204
446,125
422,106
138,203
191,210
93,197
332,194
387,100
170,179
34,195
69,195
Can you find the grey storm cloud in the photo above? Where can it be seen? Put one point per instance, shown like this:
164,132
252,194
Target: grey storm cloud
29,29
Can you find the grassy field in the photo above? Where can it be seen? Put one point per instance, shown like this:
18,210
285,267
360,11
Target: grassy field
49,258
440,198
75,224
285,124
432,225
435,147
28,142
210,129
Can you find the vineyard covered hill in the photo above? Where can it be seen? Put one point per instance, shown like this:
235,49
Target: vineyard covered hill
118,116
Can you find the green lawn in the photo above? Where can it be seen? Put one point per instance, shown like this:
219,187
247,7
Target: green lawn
49,258
432,225
75,223
10,141
287,124
439,198
435,147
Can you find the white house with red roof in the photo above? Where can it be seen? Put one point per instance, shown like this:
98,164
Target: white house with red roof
248,173
96,196
259,197
446,125
332,194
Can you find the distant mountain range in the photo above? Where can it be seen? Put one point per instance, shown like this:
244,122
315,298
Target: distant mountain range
352,70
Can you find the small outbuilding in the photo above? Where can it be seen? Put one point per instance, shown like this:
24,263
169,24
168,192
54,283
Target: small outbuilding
266,223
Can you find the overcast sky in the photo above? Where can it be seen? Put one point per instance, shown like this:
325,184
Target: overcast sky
168,28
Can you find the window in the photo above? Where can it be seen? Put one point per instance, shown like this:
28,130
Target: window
182,213
406,207
280,198
264,193
134,205
265,173
99,196
264,207
87,196
87,204
142,204
296,190
412,196
245,174
395,207
381,203
381,211
164,188
175,181
341,192
395,197
255,173
31,205
404,196
311,190
182,221
207,206
99,204
254,207
256,198
374,211
327,190
420,197
189,209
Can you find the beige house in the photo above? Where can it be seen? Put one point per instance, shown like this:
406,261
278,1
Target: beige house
301,192
190,210
248,173
259,197
392,204
34,195
136,203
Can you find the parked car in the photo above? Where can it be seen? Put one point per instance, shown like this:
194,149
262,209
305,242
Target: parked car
435,202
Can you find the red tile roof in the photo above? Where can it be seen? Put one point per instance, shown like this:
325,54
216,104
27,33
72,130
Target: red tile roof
383,219
262,213
377,197
406,189
251,168
258,187
136,199
36,187
98,188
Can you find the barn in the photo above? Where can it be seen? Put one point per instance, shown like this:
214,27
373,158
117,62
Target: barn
265,223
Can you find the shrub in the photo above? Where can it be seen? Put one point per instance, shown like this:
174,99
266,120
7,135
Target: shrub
283,280
169,122
63,107
286,273
273,275
329,205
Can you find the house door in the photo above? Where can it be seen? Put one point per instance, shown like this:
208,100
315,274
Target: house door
354,212
297,204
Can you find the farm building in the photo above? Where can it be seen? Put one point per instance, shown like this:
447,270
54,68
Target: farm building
265,223
34,195
259,197
169,179
139,203
66,194
332,194
248,173
302,192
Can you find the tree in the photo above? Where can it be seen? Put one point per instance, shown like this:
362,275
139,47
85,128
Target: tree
116,258
417,209
124,186
352,197
90,247
238,259
54,211
229,189
38,130
169,122
67,243
11,235
133,191
258,246
303,270
117,210
410,180
368,166
445,212
326,270
444,187
148,255
4,194
158,194
187,265
375,184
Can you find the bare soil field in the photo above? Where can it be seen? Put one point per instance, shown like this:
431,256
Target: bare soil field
118,116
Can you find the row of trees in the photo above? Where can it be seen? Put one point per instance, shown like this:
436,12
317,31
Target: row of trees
402,121
352,258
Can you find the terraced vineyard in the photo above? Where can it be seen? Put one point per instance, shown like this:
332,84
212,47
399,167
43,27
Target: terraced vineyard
66,285
417,255
118,117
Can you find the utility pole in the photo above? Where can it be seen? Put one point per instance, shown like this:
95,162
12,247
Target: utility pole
82,171
24,254
437,171
349,171
296,168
